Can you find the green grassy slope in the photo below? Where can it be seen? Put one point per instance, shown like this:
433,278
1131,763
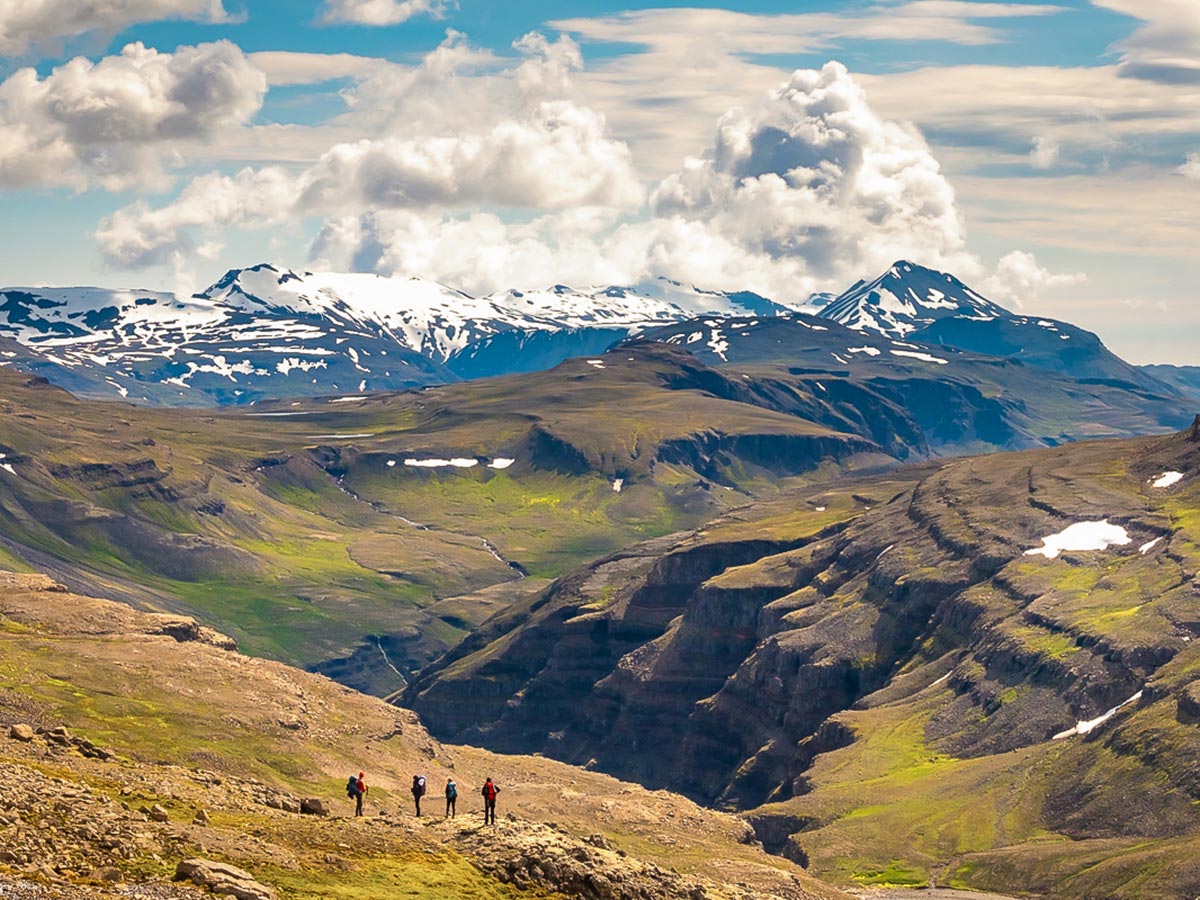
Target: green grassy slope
189,726
298,528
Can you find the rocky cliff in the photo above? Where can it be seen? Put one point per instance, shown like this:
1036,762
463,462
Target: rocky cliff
1038,607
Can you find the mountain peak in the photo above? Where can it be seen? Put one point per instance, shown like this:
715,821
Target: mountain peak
906,298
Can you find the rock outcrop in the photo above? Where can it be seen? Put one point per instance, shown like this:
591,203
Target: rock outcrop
222,878
34,599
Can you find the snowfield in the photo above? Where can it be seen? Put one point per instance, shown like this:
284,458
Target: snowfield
1082,536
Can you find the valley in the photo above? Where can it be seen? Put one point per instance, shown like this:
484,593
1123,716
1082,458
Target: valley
899,594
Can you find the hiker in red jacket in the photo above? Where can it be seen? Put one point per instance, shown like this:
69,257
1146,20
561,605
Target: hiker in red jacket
355,789
489,802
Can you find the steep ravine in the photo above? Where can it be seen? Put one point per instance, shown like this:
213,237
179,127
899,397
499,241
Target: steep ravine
740,673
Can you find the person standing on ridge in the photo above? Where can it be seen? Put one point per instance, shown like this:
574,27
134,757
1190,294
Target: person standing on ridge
355,789
451,797
418,791
489,802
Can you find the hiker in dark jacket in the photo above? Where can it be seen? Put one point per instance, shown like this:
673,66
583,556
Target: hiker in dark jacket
355,789
490,790
451,797
418,791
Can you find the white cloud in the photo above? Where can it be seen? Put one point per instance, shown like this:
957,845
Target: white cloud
475,252
1191,167
1019,279
117,121
987,113
1044,153
26,24
558,156
697,63
813,177
803,190
504,144
138,236
286,67
668,30
1166,48
382,12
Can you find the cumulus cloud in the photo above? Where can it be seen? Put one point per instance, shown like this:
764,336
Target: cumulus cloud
1166,47
557,156
522,152
116,121
1019,279
26,24
813,177
1191,167
138,236
382,12
799,191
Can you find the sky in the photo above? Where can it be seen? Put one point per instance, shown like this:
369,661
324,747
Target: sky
1046,153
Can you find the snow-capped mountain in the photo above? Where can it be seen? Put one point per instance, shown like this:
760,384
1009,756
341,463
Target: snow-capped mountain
272,332
267,331
914,303
906,298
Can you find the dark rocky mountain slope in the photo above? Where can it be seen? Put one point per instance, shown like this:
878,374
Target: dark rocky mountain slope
963,401
890,673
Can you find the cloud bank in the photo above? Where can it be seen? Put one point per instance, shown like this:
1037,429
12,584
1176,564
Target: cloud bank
118,122
26,24
804,188
1019,280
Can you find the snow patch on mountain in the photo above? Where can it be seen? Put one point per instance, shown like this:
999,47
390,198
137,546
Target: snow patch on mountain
1089,725
1166,479
1081,536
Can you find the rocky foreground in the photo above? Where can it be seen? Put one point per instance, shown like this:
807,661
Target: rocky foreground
138,749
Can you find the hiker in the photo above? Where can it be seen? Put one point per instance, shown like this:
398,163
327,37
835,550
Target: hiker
451,797
418,791
355,789
489,802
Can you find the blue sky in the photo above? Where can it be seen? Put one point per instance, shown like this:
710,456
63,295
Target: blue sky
1048,153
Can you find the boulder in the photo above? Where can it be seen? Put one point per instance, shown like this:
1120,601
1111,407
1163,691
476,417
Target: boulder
222,878
21,733
158,814
110,874
59,735
314,806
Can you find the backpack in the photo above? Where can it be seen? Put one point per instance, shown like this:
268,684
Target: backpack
421,785
490,790
452,791
352,787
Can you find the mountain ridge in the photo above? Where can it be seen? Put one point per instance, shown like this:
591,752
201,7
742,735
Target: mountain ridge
268,331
